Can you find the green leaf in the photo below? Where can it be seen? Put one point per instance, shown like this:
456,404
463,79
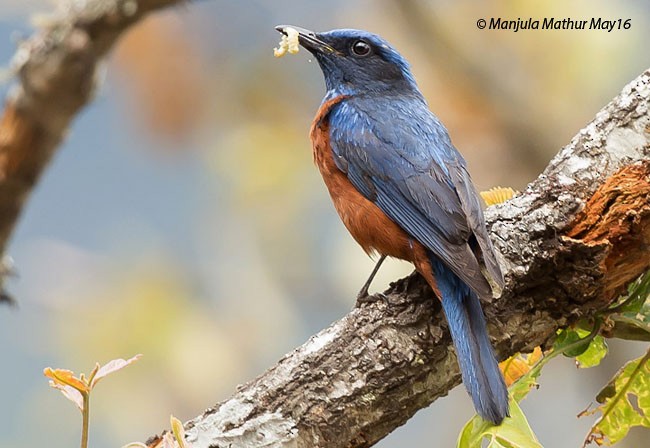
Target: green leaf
178,430
630,318
514,432
576,338
618,414
637,297
595,353
590,346
629,327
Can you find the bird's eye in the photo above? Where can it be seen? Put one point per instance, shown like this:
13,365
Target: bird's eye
360,48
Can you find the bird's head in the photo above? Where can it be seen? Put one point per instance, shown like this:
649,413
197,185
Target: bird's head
357,62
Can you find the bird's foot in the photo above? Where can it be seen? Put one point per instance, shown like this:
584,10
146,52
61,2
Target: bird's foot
371,298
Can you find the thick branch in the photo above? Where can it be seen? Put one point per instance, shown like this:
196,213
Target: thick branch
56,76
569,244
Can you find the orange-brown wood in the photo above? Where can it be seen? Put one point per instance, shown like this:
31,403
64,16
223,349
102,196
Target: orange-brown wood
18,136
618,214
368,225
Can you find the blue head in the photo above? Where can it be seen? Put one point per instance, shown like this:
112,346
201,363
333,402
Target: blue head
357,62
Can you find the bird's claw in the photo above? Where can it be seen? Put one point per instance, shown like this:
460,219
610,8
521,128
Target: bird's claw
371,298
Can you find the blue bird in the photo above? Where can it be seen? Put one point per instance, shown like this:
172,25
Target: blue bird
403,190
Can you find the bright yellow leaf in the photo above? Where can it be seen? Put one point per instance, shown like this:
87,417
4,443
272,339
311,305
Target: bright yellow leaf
518,365
497,195
63,377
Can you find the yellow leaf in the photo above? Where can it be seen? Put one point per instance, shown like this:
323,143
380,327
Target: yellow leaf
64,377
497,195
518,365
513,369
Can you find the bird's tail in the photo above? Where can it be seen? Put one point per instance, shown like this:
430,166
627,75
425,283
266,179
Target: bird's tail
477,362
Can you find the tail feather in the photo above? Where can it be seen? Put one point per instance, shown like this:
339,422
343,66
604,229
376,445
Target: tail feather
478,365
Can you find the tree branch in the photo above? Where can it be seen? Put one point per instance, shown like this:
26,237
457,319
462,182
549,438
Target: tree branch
56,77
569,245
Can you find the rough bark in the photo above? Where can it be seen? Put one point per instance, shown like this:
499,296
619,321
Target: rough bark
569,245
56,70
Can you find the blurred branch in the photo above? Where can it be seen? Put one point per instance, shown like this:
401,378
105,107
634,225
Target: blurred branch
56,70
570,244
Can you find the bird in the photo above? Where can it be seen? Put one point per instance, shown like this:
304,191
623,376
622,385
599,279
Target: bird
403,190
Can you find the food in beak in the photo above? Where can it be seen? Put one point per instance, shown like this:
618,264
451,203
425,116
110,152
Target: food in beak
288,43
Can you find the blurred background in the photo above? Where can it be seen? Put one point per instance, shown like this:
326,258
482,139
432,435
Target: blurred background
183,218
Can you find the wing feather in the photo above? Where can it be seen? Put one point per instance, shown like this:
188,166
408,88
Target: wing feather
402,159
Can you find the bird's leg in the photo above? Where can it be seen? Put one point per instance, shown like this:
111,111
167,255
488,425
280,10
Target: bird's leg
363,296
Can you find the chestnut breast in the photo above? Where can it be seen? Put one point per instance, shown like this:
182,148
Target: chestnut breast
369,226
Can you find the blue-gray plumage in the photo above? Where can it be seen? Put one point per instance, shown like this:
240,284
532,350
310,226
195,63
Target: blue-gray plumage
403,190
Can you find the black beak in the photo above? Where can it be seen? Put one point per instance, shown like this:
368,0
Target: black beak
309,40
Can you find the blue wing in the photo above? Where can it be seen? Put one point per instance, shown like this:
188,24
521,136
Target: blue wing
398,155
